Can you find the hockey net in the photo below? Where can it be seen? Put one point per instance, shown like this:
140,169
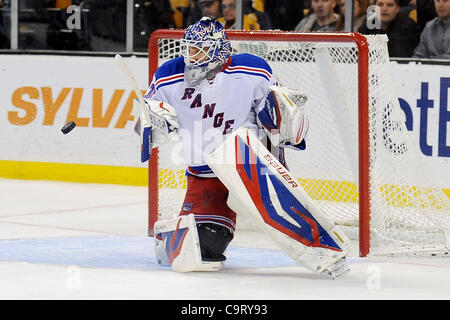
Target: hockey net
359,165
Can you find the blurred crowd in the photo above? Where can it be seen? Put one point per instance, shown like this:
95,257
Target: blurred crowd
415,28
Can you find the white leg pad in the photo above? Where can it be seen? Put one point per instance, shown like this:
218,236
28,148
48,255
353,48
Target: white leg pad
177,245
261,187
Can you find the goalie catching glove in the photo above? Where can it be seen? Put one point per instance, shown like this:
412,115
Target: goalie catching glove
284,117
157,121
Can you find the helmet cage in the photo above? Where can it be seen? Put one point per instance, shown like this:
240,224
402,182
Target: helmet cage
205,48
210,43
200,53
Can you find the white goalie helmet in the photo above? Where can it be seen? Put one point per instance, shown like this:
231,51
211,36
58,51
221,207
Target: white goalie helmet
206,49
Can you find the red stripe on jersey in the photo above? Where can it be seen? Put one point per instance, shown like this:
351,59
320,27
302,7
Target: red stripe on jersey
250,69
168,79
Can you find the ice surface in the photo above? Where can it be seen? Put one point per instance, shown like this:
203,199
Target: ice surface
88,241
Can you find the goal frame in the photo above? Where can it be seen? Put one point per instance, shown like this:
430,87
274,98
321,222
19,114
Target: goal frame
363,112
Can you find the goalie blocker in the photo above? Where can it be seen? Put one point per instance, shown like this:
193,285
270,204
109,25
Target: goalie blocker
157,121
261,187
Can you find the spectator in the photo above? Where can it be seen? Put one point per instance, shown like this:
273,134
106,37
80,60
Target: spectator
322,19
435,38
425,12
189,9
402,32
284,14
248,6
359,15
258,4
407,7
210,8
250,20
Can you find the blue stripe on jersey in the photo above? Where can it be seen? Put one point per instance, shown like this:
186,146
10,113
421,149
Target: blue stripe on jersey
171,67
249,60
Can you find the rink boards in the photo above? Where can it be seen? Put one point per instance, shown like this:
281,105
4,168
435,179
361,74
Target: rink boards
43,92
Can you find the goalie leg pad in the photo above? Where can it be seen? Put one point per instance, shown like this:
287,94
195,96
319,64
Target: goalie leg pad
261,187
177,244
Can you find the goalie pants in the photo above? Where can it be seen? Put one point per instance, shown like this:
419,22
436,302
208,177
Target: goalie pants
206,198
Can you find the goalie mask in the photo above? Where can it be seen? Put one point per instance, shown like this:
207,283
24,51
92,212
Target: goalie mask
206,49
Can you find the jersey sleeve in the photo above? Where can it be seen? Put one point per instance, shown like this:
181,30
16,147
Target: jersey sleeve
261,92
166,75
265,81
153,93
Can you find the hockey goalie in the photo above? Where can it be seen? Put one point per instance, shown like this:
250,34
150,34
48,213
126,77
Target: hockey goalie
222,106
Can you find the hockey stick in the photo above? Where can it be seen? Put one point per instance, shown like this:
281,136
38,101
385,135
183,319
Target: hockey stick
150,119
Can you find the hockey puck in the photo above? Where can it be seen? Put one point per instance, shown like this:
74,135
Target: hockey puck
68,127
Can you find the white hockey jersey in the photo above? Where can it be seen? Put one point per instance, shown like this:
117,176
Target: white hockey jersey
208,113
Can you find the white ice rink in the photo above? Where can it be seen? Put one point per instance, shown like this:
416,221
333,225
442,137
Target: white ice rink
88,241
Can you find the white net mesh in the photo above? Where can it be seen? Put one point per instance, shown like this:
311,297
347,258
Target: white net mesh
409,212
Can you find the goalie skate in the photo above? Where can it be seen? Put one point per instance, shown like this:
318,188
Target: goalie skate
336,270
177,244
